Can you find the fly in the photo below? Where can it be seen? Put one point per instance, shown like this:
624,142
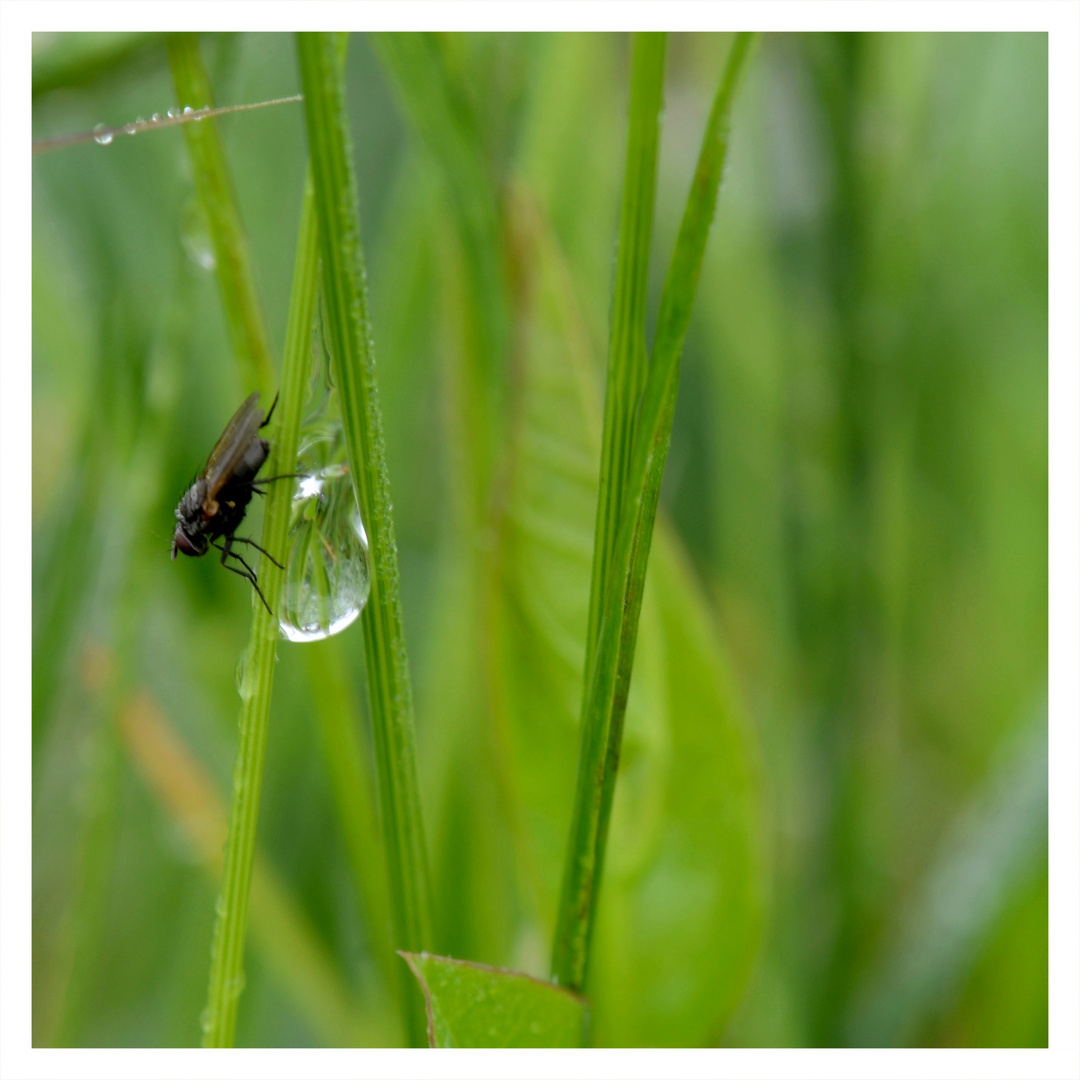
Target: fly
215,504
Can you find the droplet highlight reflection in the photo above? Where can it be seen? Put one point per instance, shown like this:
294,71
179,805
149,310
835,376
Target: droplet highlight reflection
195,236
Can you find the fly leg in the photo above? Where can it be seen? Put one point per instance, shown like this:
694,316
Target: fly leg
273,406
256,485
247,573
245,540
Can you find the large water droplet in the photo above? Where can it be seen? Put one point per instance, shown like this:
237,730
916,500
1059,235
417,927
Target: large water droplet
195,236
102,135
326,580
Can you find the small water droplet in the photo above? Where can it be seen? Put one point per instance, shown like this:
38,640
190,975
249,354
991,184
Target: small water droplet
220,907
130,128
188,110
326,579
156,118
195,236
140,119
206,1018
102,135
322,366
241,672
202,112
173,113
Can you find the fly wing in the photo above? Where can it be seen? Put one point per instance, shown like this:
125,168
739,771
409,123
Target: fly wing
231,447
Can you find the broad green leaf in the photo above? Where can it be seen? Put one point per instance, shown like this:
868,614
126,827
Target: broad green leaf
680,906
473,1005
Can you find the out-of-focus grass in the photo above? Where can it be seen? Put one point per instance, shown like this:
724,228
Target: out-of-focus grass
856,496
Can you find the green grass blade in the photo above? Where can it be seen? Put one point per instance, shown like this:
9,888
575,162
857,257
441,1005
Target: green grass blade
339,716
627,356
226,963
652,434
626,376
247,330
677,300
608,677
353,361
666,963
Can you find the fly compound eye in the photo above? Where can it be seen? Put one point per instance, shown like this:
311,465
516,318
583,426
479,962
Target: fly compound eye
183,542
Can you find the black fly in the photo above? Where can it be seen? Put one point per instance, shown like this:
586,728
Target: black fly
214,506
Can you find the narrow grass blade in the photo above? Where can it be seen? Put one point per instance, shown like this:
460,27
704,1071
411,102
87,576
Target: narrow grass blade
620,592
626,376
247,331
627,356
256,684
652,433
353,363
339,717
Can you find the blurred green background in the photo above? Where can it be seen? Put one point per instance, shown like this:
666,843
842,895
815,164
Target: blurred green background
831,820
